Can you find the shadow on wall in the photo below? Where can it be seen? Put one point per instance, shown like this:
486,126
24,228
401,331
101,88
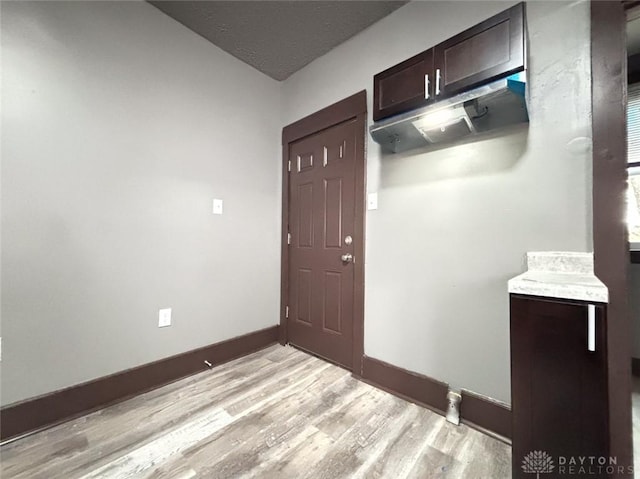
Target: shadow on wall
476,156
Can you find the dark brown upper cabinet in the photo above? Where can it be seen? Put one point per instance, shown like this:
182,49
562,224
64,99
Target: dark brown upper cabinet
403,87
488,51
491,50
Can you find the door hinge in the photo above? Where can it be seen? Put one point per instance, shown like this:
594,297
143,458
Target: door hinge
289,166
288,238
286,312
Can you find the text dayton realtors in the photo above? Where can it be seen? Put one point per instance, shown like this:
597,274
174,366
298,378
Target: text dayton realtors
591,465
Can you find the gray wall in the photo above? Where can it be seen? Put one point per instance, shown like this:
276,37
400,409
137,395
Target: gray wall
119,128
454,225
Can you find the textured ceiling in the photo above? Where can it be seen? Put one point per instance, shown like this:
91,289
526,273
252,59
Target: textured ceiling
277,37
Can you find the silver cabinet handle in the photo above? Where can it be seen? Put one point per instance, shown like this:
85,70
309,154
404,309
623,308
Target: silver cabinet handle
591,327
426,86
347,258
437,82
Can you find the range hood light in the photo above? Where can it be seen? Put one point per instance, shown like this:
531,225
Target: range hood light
433,119
482,109
443,125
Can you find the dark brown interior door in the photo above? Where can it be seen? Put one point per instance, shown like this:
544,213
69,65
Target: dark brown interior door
321,251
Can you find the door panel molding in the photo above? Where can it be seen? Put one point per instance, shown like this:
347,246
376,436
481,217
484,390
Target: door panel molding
333,278
351,108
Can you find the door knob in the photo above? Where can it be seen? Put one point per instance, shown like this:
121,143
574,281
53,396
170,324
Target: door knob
347,258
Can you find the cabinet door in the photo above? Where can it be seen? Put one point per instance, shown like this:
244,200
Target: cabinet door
558,387
403,87
490,50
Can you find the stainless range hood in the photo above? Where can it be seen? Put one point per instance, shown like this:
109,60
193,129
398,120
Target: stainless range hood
485,108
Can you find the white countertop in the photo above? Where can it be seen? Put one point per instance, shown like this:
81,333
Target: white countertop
560,274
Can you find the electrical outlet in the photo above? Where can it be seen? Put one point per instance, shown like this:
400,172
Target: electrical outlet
164,318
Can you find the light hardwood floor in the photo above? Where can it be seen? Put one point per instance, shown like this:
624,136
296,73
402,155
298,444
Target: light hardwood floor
278,413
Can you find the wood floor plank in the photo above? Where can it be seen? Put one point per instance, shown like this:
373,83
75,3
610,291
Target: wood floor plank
294,458
345,416
348,453
156,416
278,413
403,449
222,399
483,456
257,429
379,450
120,416
172,471
435,464
311,407
279,354
133,464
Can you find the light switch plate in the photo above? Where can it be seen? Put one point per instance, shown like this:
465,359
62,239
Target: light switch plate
372,201
217,206
164,318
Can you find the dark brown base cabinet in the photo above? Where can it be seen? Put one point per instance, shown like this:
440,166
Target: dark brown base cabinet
558,389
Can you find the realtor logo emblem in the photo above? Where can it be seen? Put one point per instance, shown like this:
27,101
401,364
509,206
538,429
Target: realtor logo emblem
537,462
